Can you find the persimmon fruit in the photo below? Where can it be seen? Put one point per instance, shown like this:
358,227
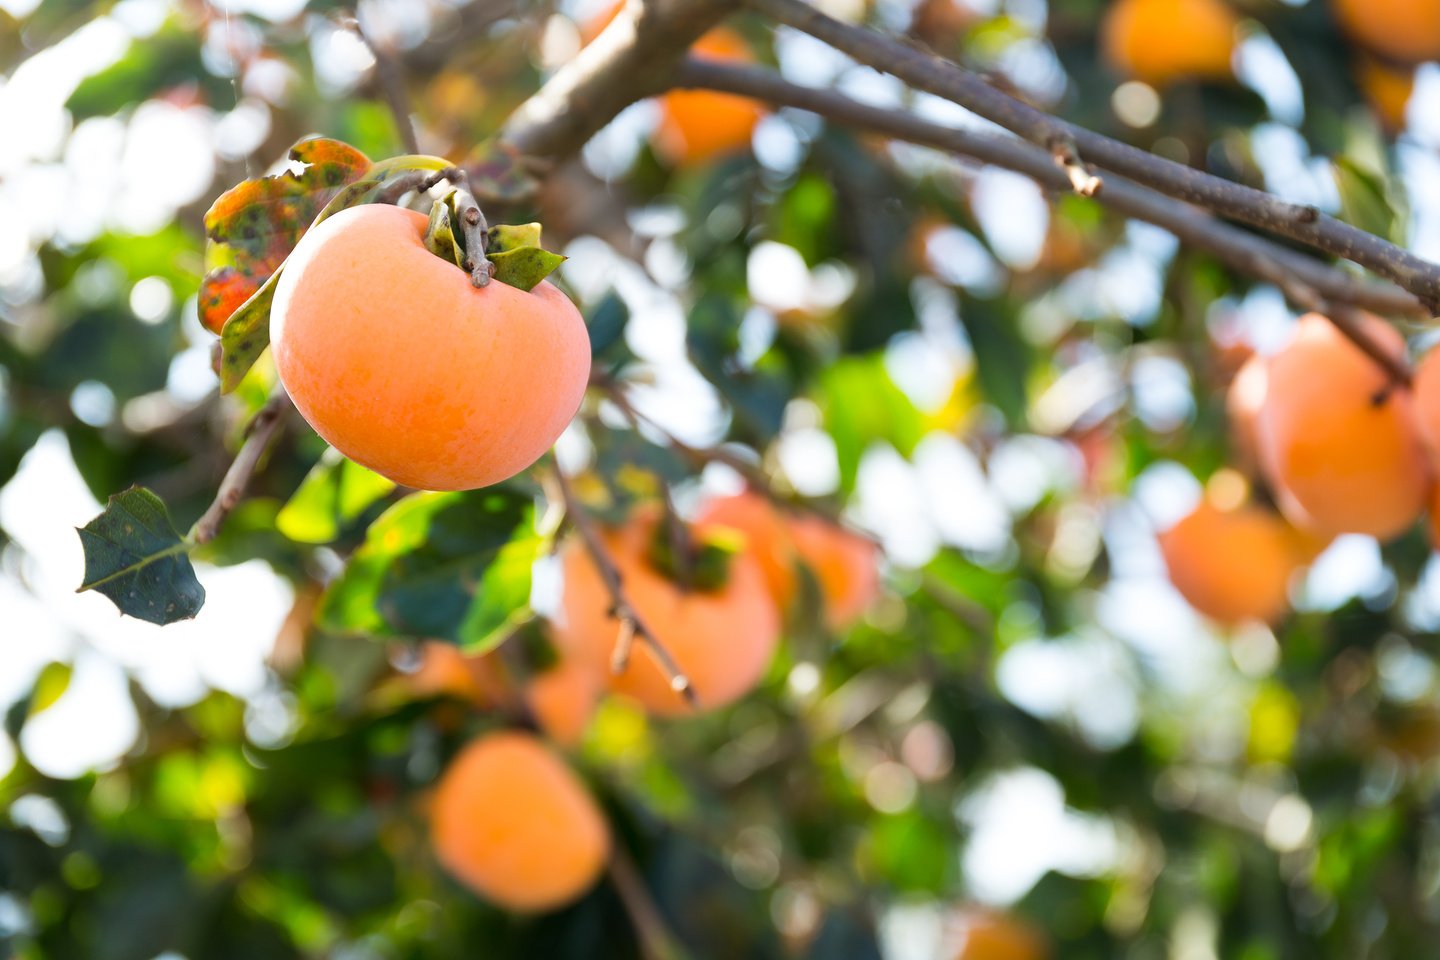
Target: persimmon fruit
991,935
562,699
1388,88
1338,438
1233,563
403,366
1243,400
513,823
722,638
1427,402
845,564
1403,30
1162,41
697,126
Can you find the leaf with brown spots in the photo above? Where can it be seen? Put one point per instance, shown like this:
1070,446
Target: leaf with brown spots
134,556
253,226
497,174
246,332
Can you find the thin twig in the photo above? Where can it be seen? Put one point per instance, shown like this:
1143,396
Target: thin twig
258,434
1238,248
1081,178
392,87
626,616
656,940
1302,223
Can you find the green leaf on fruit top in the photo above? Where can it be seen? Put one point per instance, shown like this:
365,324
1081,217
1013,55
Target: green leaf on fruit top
440,237
519,259
134,556
246,332
452,566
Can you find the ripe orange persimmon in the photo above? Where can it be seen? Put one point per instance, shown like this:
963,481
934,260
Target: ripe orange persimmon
511,821
562,700
1388,88
991,935
1405,30
1233,563
1243,400
1427,401
1160,41
722,638
845,564
404,367
1338,438
700,125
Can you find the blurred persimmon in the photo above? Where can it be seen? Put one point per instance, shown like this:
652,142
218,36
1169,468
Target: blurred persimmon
1404,30
722,635
511,821
1338,438
1161,41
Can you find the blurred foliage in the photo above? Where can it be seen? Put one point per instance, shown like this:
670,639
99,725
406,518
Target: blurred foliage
767,829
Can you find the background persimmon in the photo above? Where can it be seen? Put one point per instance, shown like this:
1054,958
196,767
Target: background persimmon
1161,41
991,935
562,699
404,367
511,821
1340,439
1404,30
699,125
1233,562
722,639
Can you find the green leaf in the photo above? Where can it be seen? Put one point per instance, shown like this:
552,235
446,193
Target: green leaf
246,335
1364,199
863,406
507,237
525,267
49,687
426,569
440,236
134,556
333,495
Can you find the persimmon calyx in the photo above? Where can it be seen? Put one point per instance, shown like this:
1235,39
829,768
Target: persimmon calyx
693,560
508,253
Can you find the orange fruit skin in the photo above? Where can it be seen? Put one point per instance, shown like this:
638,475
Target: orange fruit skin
989,935
1427,401
722,639
1388,88
1352,465
444,672
1406,30
404,367
1232,565
767,538
562,700
1161,41
1243,400
697,126
845,564
513,823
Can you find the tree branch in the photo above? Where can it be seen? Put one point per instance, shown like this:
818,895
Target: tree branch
656,940
930,73
392,86
630,60
1308,283
630,625
259,433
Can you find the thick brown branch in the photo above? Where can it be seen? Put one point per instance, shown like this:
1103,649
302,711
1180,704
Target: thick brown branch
629,624
1236,247
630,60
259,433
930,73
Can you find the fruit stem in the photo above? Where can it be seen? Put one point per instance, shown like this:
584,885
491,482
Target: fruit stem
477,235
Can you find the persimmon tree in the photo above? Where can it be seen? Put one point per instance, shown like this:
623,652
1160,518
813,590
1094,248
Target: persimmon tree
572,670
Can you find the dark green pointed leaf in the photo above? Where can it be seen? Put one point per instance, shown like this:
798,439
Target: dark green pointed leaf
134,556
333,495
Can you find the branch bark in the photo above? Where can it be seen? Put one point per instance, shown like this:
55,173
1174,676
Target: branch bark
1308,283
938,76
630,627
630,60
260,432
